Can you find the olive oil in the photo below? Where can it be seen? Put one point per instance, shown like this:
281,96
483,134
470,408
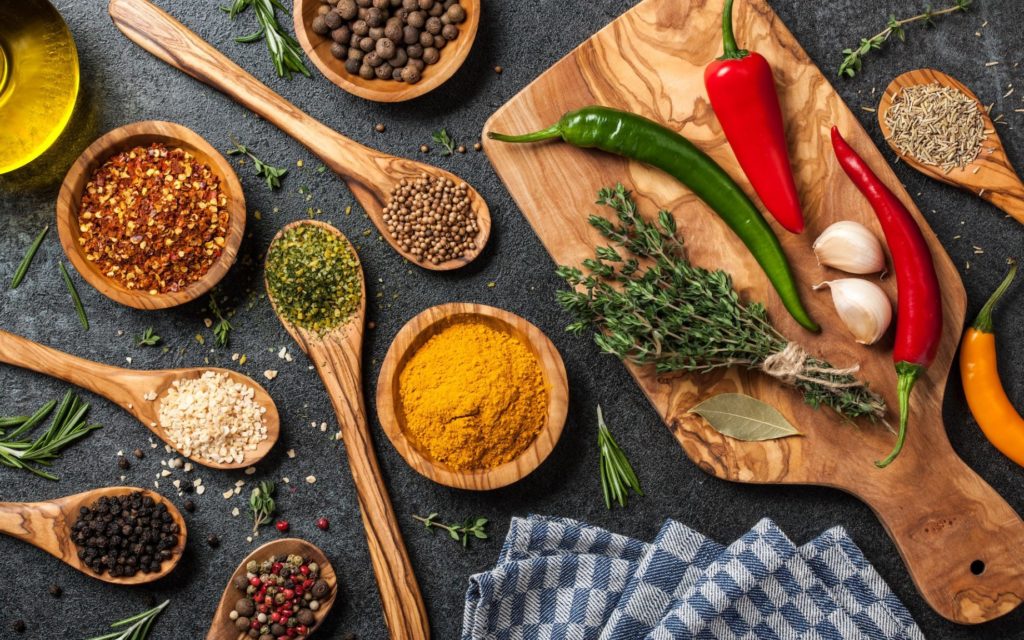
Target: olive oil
38,80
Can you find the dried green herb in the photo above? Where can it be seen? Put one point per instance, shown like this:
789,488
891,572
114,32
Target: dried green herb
262,505
666,312
26,262
68,426
745,418
73,292
617,475
442,138
136,627
471,528
272,175
148,338
284,49
222,326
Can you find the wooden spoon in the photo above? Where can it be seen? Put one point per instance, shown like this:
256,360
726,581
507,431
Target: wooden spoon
47,525
990,176
413,336
133,390
223,627
370,174
337,357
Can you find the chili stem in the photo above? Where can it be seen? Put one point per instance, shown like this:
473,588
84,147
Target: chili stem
732,50
554,131
983,323
907,374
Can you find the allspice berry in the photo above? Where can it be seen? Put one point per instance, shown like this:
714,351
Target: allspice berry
431,55
320,27
456,14
411,75
347,9
339,51
385,49
333,20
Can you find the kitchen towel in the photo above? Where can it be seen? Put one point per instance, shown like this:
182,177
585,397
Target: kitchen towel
558,579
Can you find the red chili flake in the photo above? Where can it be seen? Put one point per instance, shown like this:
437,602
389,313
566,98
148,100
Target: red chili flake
154,219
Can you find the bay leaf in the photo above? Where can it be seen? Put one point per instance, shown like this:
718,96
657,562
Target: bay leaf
745,418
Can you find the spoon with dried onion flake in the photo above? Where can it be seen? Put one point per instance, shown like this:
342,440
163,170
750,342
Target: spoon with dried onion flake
137,392
47,525
336,351
990,175
371,175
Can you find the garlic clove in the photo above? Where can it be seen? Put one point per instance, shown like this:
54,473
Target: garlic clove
862,306
851,247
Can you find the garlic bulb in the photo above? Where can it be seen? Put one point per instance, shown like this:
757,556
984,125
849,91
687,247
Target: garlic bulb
849,246
862,306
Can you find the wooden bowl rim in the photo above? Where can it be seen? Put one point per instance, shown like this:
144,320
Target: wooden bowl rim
386,90
412,336
124,138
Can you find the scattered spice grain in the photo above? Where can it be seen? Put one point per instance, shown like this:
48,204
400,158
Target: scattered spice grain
431,218
936,125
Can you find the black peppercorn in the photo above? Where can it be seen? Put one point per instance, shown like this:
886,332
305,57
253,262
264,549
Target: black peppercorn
190,506
138,454
56,591
213,541
18,626
123,464
124,534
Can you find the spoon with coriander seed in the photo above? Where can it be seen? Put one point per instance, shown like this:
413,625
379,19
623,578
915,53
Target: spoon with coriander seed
938,126
60,528
316,286
312,596
385,185
244,421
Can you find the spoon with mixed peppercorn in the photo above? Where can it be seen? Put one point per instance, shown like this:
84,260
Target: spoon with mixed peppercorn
120,535
315,284
428,215
145,395
283,589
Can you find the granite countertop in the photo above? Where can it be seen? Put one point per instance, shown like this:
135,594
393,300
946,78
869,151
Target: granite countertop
123,84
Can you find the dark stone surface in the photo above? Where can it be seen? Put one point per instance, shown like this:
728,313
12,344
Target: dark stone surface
122,84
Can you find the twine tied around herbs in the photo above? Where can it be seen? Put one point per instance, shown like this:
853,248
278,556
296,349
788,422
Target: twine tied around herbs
791,366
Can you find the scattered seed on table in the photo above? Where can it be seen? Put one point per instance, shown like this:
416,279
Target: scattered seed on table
56,591
424,148
138,454
189,505
380,128
498,69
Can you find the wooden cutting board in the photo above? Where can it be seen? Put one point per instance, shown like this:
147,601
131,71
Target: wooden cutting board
961,542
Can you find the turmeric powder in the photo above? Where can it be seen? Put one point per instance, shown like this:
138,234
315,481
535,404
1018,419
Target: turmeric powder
473,396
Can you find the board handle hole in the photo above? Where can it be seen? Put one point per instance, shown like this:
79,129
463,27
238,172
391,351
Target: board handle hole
978,567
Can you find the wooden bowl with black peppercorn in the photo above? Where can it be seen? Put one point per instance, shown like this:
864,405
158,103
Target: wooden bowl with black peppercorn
357,46
215,256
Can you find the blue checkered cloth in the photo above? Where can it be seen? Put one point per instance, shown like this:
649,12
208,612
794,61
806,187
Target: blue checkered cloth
558,579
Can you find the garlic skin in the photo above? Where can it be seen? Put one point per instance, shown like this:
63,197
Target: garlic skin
862,306
849,246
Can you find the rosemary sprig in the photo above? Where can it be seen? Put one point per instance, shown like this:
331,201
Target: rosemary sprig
79,309
284,50
26,262
148,338
854,59
221,327
272,175
261,504
442,138
617,475
471,528
678,317
68,426
136,627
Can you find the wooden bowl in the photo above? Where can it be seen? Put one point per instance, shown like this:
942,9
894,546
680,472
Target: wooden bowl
413,336
125,138
318,48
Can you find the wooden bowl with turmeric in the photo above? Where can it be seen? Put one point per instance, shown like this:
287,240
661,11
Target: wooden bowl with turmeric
473,397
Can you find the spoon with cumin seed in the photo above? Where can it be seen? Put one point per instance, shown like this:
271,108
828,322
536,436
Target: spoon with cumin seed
371,175
990,175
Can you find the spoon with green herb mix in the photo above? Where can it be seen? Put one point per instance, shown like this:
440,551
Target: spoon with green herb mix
315,284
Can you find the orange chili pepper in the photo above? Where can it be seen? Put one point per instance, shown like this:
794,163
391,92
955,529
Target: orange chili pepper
995,414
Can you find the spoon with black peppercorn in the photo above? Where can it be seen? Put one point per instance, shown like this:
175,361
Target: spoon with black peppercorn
49,526
375,178
224,627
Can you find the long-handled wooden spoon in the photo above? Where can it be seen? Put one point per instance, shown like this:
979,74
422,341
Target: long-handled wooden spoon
337,357
47,525
137,392
223,627
370,174
990,176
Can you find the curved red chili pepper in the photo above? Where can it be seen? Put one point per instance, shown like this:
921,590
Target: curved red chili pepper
919,300
741,88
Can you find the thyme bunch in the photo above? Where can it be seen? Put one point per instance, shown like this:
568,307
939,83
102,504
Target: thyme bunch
262,505
655,308
271,174
472,527
854,59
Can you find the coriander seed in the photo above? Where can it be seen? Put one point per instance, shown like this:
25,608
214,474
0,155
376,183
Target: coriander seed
432,218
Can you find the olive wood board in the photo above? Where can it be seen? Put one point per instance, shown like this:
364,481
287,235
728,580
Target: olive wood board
959,539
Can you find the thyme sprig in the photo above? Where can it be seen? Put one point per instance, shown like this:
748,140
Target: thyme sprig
655,308
854,59
68,426
262,505
284,49
442,138
271,174
149,338
136,627
222,326
617,475
471,528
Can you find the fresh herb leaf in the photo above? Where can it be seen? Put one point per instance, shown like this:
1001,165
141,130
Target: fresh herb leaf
617,475
68,426
272,175
148,338
471,528
744,418
284,49
26,262
447,144
221,327
79,309
261,504
136,627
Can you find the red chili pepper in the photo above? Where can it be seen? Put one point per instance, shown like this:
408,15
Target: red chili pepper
742,92
919,305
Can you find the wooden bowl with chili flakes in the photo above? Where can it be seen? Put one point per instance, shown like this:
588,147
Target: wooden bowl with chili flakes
392,414
144,134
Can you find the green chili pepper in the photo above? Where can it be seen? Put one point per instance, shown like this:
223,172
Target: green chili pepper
633,136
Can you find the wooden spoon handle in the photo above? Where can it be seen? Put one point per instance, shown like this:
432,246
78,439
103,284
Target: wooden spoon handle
1009,198
154,30
404,612
35,523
